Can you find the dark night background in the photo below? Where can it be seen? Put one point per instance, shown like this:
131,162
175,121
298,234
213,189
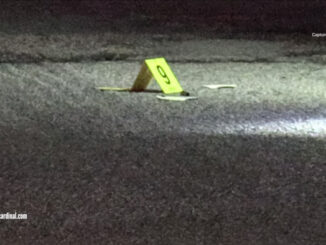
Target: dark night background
219,16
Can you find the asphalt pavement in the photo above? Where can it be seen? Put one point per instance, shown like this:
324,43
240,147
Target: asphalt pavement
236,166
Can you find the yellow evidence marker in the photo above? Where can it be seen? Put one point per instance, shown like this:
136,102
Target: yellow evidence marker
162,73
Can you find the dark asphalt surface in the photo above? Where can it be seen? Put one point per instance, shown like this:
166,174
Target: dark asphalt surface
237,166
241,166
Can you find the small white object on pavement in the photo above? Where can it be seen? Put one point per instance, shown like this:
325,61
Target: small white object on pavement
176,98
217,86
